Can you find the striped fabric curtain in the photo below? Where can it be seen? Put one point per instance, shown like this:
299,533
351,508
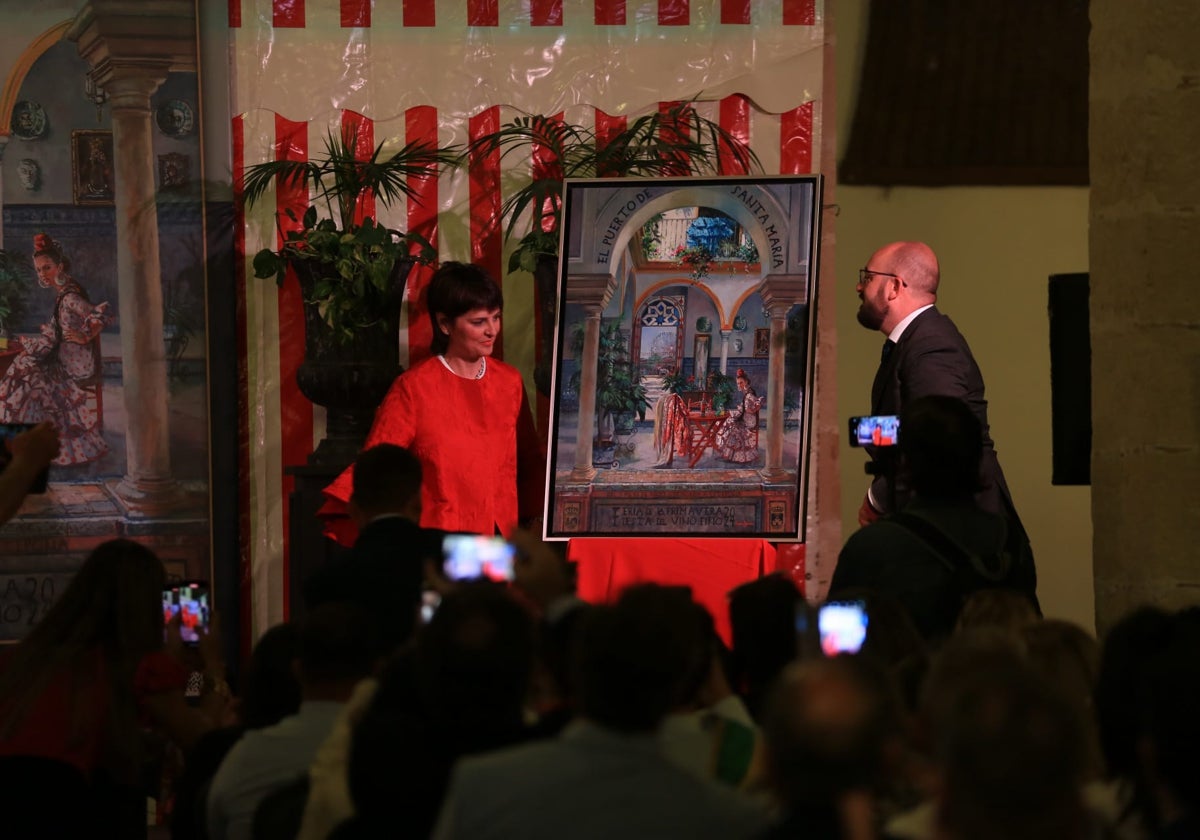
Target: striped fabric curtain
446,72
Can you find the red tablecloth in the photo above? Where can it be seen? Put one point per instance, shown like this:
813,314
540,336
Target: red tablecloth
710,567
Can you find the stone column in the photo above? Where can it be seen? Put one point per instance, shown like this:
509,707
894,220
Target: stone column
1144,309
147,488
592,292
725,334
779,294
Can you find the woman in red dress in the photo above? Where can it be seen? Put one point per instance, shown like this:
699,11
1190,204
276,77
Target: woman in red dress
464,415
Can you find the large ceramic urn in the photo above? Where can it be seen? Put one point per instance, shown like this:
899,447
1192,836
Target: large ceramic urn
349,375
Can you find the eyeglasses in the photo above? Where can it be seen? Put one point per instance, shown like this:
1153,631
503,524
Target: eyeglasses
865,275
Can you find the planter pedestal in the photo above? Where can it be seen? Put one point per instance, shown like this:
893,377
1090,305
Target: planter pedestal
349,379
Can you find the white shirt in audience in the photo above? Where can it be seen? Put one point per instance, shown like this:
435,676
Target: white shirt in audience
263,761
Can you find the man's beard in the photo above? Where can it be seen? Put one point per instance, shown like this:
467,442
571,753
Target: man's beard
870,318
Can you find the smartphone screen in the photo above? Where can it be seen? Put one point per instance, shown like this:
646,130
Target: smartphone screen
875,430
189,601
842,626
8,431
473,556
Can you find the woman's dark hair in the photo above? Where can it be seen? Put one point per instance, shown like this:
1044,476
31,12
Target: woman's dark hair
45,246
762,616
456,289
270,690
111,609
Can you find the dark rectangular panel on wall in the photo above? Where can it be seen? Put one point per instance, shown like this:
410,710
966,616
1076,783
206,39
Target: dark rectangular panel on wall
969,92
1070,379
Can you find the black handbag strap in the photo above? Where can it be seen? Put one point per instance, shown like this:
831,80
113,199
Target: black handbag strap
952,555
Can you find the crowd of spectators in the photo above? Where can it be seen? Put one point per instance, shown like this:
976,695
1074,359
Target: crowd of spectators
515,710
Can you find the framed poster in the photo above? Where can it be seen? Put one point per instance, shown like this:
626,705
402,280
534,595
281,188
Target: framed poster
92,166
705,449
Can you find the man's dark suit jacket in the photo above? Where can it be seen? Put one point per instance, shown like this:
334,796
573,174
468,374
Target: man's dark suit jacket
932,357
384,573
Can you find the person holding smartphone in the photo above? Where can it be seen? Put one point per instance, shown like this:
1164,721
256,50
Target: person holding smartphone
465,416
943,545
76,693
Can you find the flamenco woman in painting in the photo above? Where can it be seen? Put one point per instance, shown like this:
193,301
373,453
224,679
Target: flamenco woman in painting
41,383
737,440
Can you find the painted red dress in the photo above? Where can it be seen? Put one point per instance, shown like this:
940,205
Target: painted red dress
41,383
483,465
737,439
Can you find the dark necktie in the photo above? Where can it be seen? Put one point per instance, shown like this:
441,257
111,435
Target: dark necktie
888,347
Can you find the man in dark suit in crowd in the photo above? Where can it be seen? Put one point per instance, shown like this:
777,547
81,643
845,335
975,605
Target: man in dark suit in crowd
385,571
943,546
924,354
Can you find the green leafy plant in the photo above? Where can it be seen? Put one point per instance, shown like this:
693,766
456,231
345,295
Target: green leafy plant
723,387
651,236
183,311
675,141
351,261
746,253
16,279
619,387
697,259
675,382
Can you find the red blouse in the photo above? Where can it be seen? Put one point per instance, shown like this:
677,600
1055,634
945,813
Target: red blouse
482,461
48,731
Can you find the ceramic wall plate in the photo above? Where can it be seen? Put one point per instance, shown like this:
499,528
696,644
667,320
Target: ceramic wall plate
174,118
28,120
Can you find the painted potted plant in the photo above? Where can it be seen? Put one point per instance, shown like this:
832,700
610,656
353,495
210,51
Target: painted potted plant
674,141
352,270
722,386
16,279
620,394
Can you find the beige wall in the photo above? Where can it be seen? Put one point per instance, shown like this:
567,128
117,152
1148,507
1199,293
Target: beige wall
997,248
1144,145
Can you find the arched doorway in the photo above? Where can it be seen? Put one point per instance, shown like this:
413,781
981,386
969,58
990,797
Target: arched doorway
658,338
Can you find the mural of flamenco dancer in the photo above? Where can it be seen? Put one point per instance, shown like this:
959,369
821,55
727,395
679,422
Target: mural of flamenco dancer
43,381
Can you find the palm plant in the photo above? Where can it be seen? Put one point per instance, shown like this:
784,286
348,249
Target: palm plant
357,258
675,141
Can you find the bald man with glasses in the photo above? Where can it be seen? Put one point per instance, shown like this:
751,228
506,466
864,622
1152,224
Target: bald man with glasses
924,354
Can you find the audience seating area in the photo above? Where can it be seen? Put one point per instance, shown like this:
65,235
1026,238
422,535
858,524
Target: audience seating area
522,711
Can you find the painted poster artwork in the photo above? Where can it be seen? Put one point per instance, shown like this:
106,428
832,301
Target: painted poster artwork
108,345
684,358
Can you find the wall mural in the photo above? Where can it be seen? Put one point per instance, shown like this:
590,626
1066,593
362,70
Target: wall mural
102,299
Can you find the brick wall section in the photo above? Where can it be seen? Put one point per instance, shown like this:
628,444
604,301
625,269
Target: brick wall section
1144,255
